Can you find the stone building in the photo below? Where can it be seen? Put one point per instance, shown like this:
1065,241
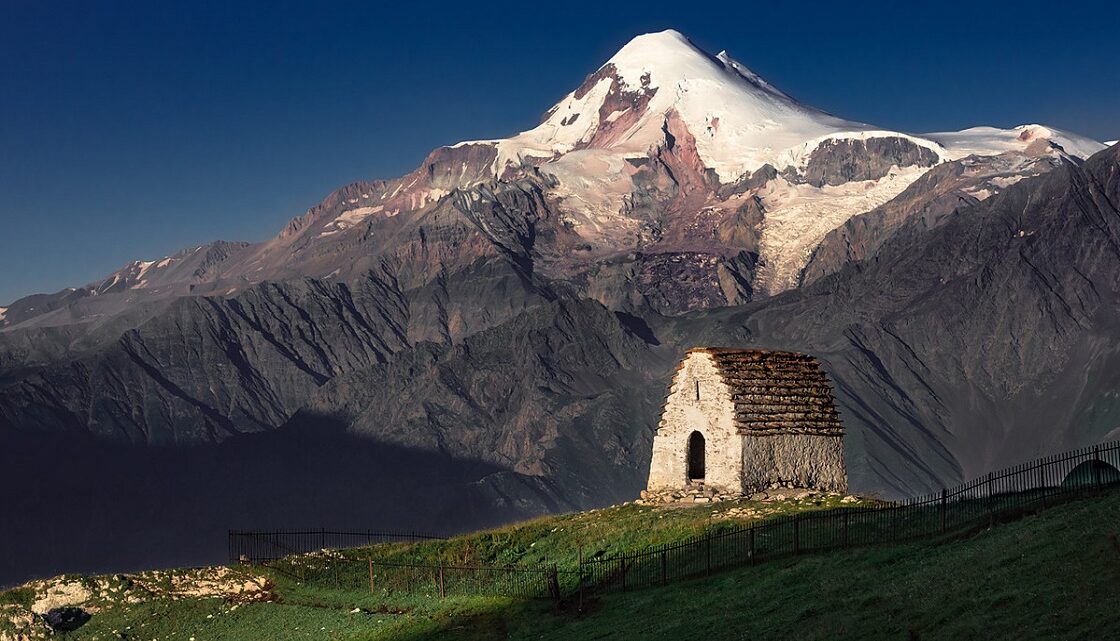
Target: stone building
738,421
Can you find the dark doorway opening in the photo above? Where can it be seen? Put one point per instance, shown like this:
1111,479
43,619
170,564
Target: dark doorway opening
696,456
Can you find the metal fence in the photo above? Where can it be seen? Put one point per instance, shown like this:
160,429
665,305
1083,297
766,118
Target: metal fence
478,580
980,502
395,578
265,546
294,553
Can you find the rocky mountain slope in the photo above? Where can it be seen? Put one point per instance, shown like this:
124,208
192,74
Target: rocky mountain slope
666,161
505,319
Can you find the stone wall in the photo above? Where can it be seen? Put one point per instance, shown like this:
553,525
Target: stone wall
712,415
793,460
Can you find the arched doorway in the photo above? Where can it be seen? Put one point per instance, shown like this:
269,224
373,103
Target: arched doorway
1091,474
696,457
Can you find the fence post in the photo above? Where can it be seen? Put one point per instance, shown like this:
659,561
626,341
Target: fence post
580,609
709,552
1097,466
664,568
322,539
944,507
371,575
797,534
442,594
991,507
554,583
1042,482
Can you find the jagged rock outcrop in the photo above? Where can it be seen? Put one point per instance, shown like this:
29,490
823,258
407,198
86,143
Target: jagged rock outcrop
835,162
922,206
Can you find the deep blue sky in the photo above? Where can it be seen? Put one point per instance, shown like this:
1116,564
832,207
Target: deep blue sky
133,129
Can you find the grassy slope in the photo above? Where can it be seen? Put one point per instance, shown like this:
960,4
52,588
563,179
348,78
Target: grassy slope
1055,575
557,539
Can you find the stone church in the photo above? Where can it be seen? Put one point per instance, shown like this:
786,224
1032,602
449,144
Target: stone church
739,421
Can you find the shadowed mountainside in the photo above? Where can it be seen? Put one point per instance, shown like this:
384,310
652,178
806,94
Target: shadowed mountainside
85,505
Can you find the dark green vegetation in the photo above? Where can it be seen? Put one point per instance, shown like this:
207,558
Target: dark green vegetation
1052,575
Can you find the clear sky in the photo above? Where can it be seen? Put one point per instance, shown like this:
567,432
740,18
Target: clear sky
129,130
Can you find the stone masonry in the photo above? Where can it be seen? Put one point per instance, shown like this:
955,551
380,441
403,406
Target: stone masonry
741,421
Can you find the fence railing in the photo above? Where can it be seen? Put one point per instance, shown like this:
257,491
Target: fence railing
389,578
541,581
981,501
425,579
264,546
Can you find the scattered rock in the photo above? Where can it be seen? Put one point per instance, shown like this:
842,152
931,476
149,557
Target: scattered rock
58,593
20,622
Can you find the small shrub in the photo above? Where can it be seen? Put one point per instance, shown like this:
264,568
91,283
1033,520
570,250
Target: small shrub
18,596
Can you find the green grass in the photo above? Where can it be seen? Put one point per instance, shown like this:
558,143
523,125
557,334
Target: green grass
559,539
18,596
548,540
1045,577
1054,575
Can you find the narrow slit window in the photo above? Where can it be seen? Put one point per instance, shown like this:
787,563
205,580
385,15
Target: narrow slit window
697,390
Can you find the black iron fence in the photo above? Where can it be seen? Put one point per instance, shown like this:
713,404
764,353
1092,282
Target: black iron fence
266,546
980,502
542,581
425,579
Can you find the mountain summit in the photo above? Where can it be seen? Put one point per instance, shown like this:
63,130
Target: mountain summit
739,121
667,168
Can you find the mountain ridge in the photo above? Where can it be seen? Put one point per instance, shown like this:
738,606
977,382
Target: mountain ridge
608,188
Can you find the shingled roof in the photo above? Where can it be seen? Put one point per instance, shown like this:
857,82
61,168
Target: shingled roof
777,392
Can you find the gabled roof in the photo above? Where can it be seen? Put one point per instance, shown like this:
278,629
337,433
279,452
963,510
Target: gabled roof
776,392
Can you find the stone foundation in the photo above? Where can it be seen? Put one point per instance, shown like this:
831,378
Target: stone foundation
696,493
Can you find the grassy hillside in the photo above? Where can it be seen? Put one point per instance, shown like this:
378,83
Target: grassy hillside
608,531
1052,575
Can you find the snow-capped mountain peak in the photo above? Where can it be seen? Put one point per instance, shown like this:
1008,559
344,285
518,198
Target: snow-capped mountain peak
740,121
668,58
664,150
